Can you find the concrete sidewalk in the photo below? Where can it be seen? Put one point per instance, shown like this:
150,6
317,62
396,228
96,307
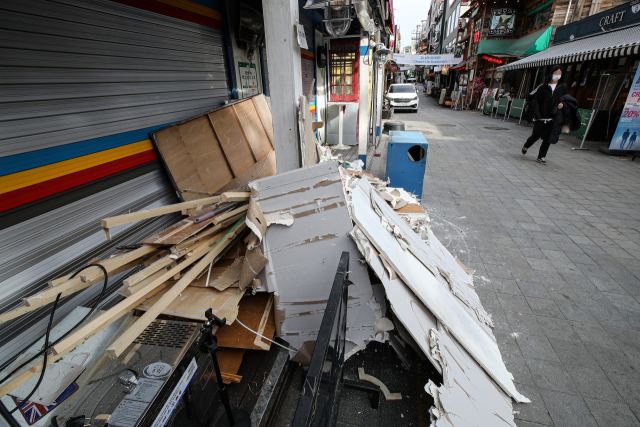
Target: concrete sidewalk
555,248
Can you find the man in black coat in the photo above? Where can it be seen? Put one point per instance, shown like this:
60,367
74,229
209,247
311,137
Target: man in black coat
546,97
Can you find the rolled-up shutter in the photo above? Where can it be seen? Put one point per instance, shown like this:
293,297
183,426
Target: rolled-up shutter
83,82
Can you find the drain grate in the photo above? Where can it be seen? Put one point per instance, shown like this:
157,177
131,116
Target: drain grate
495,128
166,334
445,125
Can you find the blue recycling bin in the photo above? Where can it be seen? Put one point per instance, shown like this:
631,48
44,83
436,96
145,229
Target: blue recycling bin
407,160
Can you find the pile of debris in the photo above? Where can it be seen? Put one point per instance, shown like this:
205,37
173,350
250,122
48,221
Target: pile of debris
261,249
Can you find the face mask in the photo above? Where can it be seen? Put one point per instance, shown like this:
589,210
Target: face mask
555,78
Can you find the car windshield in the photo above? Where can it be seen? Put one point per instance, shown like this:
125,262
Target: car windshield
402,89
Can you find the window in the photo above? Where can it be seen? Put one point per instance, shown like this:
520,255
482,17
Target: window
537,16
402,89
344,56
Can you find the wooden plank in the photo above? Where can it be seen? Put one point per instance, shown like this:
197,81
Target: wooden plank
263,324
253,129
235,196
128,337
177,232
79,336
151,213
145,273
70,287
230,360
191,242
251,312
96,325
194,301
235,146
117,261
158,238
227,215
130,290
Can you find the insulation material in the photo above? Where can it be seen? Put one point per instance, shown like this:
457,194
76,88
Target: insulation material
468,397
439,300
436,258
220,150
302,257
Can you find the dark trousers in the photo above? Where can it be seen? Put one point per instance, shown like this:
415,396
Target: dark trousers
540,130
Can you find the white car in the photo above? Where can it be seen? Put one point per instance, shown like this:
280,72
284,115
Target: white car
403,96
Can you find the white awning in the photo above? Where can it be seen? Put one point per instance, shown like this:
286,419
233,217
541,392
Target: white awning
606,45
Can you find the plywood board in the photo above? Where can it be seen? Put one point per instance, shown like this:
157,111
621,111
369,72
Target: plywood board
221,149
193,302
440,301
251,313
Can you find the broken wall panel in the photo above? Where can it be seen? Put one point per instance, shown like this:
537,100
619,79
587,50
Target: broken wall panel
468,397
441,302
220,150
302,257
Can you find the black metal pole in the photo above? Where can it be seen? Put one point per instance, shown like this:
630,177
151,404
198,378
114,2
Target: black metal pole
7,416
224,395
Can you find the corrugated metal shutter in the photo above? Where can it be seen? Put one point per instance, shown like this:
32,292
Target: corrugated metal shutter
83,82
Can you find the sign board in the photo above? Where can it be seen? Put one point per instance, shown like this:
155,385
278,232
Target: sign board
585,115
502,22
616,17
302,38
627,135
248,78
401,58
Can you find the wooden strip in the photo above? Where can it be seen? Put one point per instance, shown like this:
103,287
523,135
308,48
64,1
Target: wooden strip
150,213
227,215
97,325
70,287
128,337
78,337
235,196
186,232
263,322
159,237
143,274
117,261
230,378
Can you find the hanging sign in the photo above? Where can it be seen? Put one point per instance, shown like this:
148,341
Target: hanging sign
248,78
425,59
492,59
627,136
502,21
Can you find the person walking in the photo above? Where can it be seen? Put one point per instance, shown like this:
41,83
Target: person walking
546,97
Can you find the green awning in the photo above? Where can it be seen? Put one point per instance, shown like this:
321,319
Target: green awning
524,46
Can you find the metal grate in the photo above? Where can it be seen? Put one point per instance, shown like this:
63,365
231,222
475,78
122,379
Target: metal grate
445,125
495,128
167,334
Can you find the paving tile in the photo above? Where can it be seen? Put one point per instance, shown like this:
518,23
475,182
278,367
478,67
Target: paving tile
544,307
628,385
593,383
533,289
573,353
567,410
550,376
557,328
536,347
592,333
608,316
515,303
524,323
535,411
607,284
611,414
623,302
590,297
530,252
540,264
518,368
632,317
505,286
612,359
628,340
575,311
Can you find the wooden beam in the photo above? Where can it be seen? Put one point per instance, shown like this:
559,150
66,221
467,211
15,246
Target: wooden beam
227,215
36,365
79,336
236,196
117,261
121,344
143,274
150,213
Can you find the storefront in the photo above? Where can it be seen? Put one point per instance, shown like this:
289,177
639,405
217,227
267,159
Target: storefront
600,55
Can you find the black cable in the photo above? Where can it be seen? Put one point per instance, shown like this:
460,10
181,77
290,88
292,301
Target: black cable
47,346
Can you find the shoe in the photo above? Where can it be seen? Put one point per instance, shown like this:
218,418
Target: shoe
524,150
542,160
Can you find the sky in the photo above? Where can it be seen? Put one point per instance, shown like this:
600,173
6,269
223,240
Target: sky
408,14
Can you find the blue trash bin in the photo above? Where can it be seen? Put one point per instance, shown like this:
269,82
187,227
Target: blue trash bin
407,160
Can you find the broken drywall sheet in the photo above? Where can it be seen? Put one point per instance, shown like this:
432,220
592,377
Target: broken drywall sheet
435,257
440,301
303,257
468,397
410,311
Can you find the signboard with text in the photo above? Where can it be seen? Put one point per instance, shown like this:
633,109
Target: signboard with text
248,78
502,22
400,58
627,136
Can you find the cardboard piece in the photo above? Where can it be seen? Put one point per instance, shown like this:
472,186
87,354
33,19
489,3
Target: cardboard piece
302,257
219,150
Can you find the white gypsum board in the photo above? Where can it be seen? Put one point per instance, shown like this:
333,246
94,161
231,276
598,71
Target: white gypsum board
468,397
405,304
444,305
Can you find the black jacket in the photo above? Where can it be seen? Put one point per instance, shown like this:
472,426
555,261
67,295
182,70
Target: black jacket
544,100
567,115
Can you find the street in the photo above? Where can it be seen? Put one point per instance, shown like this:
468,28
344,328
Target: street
555,250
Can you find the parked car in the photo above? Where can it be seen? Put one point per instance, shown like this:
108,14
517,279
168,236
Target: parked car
403,96
411,80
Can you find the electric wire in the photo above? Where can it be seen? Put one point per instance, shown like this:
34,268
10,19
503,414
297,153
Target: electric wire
263,337
47,346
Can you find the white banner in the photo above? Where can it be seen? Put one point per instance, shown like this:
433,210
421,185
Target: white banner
449,59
